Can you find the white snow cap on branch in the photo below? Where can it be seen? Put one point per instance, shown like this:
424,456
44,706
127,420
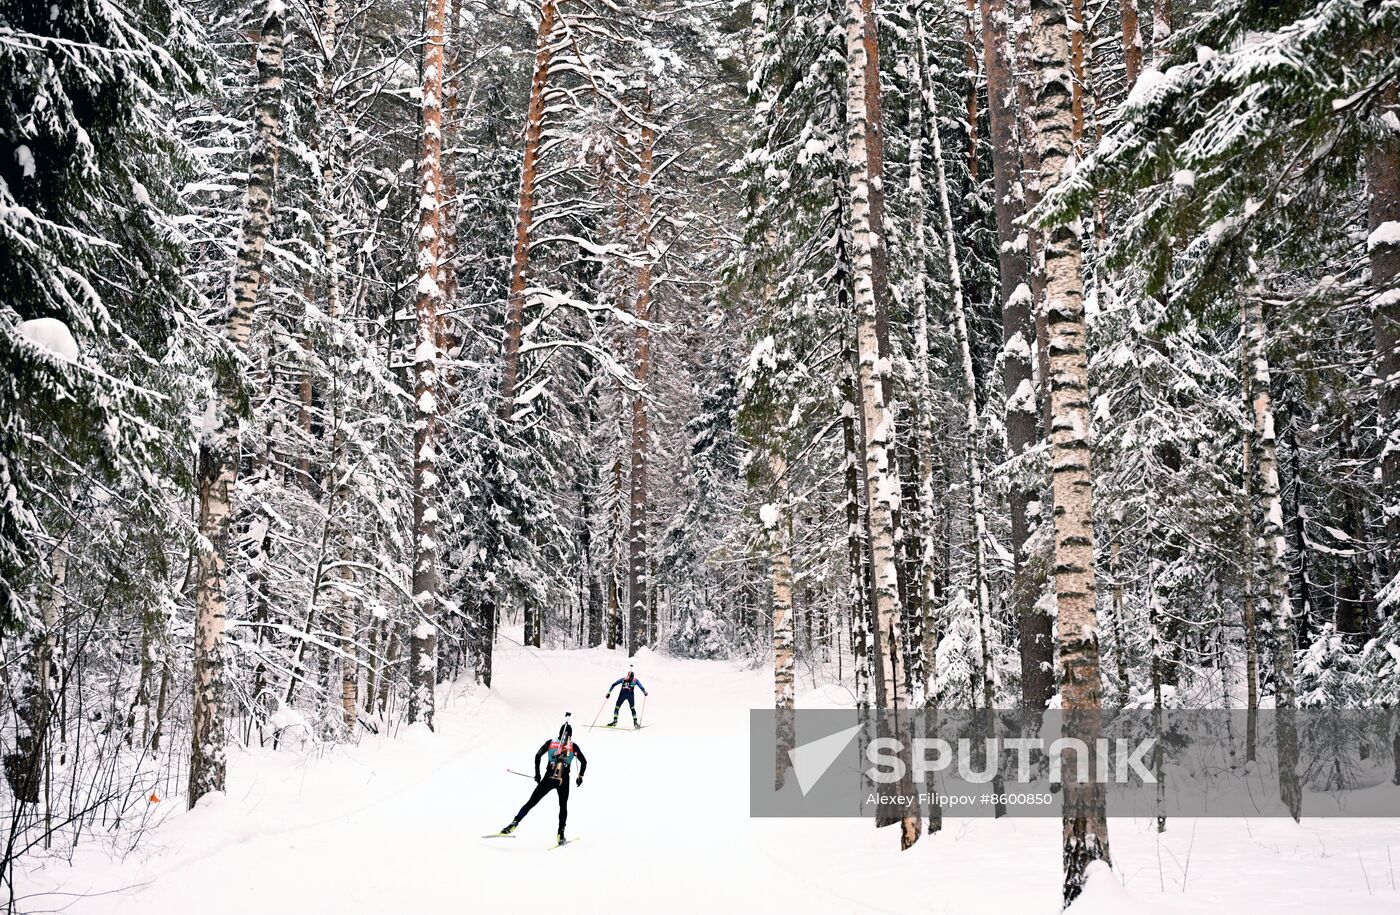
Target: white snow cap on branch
51,335
1148,82
25,158
1387,233
768,514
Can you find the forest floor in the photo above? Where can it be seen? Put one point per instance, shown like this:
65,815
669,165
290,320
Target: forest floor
394,825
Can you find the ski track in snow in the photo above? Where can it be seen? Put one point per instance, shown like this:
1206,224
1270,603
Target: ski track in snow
394,825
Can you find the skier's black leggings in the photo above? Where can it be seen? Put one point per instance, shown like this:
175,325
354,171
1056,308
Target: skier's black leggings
545,786
630,698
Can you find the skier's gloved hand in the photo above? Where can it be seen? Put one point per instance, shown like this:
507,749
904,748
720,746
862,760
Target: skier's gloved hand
537,778
578,782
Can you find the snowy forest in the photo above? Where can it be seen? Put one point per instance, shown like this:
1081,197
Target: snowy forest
950,353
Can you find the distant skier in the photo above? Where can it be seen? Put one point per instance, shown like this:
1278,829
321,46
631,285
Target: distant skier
627,694
560,752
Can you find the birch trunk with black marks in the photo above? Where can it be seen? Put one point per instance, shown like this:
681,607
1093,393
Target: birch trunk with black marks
1272,536
219,445
1085,833
877,421
780,561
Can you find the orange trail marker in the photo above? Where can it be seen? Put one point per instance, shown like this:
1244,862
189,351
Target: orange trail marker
154,799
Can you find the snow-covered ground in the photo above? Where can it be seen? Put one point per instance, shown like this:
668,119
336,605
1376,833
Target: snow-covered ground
394,825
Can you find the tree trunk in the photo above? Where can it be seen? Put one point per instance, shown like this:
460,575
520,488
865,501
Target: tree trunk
1076,66
1018,338
856,597
615,639
1249,560
638,578
593,589
881,479
780,560
1132,41
451,87
426,359
1030,185
1273,538
1161,32
219,448
1081,687
974,436
1383,208
525,207
926,547
1116,623
970,75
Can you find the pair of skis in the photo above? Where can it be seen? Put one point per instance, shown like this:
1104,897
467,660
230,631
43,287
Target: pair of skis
613,727
511,835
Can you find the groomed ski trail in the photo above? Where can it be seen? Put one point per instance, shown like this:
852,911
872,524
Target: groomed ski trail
395,825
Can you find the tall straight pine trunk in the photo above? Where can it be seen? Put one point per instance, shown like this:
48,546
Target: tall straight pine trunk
525,205
219,446
426,359
1132,41
1085,832
881,478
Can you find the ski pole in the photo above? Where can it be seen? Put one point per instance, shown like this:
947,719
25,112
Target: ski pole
600,709
521,774
643,716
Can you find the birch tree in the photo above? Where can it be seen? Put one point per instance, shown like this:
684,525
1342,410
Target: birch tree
1277,603
881,478
219,447
1081,687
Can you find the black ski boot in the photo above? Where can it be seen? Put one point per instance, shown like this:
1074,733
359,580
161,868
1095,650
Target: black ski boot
511,828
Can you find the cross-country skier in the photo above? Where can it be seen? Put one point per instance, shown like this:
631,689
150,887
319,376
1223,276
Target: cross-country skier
561,752
628,695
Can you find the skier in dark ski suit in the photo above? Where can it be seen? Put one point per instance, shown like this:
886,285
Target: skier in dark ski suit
628,695
561,752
